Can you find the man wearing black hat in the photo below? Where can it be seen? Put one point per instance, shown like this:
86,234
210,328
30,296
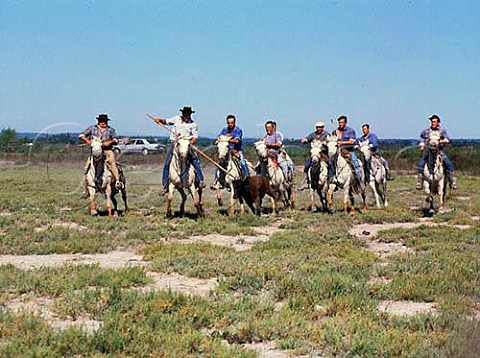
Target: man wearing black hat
183,126
108,136
424,141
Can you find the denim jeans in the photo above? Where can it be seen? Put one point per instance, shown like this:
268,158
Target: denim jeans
166,167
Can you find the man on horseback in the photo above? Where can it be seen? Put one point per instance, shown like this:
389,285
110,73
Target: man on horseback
346,142
319,135
274,143
183,126
424,142
373,143
108,137
235,134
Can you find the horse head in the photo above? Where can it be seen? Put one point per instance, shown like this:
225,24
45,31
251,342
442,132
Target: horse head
434,140
316,150
332,145
96,146
366,149
181,146
261,149
222,146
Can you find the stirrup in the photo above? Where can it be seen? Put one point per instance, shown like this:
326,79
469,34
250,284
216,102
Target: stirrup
119,185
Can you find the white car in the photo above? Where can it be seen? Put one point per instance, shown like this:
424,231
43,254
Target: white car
138,145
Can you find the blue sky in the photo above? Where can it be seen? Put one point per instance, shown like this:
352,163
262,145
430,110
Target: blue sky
389,63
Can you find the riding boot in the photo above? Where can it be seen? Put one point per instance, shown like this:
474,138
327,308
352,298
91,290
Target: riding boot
452,180
305,184
419,185
388,174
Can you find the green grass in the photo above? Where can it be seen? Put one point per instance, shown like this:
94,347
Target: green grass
306,288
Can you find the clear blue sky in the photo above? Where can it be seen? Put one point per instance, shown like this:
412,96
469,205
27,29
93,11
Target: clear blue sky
389,63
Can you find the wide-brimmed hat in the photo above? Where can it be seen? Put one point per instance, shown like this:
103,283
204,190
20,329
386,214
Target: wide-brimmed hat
103,118
187,110
434,116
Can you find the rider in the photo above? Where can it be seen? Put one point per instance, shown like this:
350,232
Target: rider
373,142
182,126
444,139
235,134
319,135
108,136
346,140
284,157
274,142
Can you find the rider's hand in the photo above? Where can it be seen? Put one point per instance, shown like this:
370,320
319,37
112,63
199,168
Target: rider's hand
422,148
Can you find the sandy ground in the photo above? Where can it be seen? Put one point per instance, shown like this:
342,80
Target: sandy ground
188,285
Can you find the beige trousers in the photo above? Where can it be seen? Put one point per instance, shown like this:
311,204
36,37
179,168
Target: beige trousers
111,164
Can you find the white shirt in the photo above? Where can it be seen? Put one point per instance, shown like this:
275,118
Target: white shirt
182,129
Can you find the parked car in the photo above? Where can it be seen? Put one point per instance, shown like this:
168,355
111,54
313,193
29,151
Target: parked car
138,145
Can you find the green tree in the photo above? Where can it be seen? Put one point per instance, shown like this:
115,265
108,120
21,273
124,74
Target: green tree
9,140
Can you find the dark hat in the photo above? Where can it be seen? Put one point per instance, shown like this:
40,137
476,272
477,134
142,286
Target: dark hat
342,117
103,118
434,116
187,110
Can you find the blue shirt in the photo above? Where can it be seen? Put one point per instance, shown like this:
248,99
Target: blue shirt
372,140
235,133
347,134
425,135
275,137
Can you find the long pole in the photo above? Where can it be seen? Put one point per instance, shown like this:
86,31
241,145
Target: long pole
194,148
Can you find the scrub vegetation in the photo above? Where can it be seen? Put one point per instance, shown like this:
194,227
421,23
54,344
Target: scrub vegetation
310,285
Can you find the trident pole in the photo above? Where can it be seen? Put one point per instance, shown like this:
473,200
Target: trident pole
194,148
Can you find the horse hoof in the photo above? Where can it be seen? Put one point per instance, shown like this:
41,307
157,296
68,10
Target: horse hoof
93,212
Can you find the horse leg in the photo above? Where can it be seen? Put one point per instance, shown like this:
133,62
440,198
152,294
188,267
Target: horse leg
293,196
441,193
91,195
384,193
312,199
114,204
373,185
219,196
182,204
231,208
195,198
346,195
331,188
108,194
169,201
124,198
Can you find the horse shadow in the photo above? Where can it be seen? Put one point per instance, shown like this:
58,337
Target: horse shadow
186,215
105,213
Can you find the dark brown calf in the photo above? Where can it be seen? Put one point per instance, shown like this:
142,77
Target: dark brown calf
251,190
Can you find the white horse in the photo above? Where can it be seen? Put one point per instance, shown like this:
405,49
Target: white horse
182,178
277,179
317,176
98,177
434,173
378,174
343,178
233,172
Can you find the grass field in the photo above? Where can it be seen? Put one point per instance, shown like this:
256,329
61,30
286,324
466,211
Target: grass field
385,283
